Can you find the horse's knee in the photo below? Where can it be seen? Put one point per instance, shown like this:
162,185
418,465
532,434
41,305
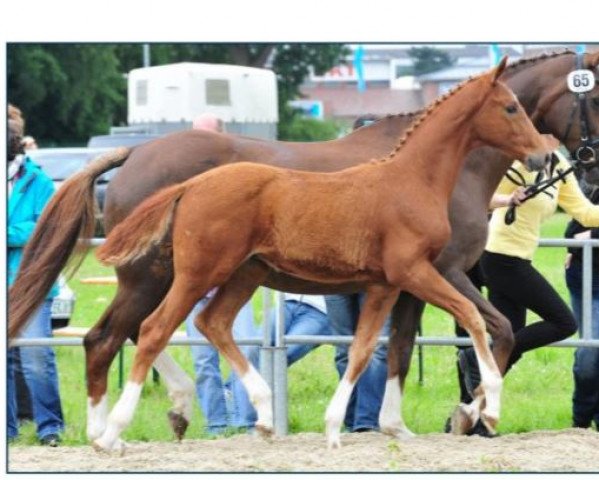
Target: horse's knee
470,319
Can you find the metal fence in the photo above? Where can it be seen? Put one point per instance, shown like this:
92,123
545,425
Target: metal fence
273,358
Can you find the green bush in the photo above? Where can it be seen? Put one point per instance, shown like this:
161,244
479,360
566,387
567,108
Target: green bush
302,129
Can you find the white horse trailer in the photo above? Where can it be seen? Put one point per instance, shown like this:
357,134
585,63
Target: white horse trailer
167,98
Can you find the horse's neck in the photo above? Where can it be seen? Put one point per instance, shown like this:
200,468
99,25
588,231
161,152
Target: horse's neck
435,151
530,82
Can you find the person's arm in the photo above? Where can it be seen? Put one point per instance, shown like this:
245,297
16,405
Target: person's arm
574,202
499,200
19,233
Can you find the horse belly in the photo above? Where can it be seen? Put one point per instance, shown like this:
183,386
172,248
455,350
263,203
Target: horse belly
320,267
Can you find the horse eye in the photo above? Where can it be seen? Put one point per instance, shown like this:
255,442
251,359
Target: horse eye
511,109
595,102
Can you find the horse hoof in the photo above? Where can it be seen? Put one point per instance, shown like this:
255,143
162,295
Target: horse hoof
178,423
490,424
118,448
264,431
333,442
399,433
461,420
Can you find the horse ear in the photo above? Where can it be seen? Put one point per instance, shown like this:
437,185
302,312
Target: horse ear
593,59
499,69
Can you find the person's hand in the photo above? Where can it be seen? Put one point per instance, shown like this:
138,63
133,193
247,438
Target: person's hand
515,198
518,196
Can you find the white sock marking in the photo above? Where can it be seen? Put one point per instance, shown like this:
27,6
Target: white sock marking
97,416
390,419
336,412
180,386
260,396
120,417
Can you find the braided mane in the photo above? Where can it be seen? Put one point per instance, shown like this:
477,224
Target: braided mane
424,114
542,56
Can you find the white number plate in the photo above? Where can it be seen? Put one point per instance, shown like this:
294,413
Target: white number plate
580,81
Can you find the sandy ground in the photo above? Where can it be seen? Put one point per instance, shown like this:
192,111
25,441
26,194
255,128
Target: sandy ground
565,450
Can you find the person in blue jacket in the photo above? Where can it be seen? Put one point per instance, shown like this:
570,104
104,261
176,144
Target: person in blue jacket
29,189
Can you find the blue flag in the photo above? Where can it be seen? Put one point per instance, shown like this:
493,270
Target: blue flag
494,54
359,66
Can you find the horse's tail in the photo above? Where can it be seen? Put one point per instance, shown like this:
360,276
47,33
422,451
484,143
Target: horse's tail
68,217
144,227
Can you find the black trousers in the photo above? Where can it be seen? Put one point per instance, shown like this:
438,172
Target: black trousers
515,286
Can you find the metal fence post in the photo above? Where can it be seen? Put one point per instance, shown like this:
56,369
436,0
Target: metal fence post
280,370
587,291
266,351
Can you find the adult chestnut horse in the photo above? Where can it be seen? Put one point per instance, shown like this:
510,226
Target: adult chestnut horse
538,82
381,224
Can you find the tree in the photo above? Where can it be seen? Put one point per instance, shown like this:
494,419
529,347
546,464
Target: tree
429,59
69,92
66,91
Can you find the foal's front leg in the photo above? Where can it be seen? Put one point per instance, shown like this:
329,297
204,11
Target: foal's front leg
379,299
426,283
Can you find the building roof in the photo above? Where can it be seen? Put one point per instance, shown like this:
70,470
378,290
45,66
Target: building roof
348,102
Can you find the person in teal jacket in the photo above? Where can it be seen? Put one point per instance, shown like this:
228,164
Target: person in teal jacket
29,189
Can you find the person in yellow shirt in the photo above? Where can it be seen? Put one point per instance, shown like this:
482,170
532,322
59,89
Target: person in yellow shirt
514,285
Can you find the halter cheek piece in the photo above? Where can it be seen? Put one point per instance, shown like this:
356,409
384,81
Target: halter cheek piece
580,81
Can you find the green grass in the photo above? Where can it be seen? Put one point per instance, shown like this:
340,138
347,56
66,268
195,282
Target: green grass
537,393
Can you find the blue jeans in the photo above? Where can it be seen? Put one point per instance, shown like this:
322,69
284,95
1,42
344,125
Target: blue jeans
585,400
366,399
39,371
301,319
221,412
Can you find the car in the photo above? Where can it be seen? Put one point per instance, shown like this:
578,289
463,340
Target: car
120,140
60,163
62,305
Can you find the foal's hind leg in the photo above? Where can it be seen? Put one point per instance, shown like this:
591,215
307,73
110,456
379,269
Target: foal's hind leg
426,283
405,317
216,322
379,300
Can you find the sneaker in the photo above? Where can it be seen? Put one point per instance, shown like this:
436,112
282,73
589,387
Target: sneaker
364,429
577,423
51,440
469,368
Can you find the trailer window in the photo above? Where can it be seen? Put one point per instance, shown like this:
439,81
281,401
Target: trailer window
217,92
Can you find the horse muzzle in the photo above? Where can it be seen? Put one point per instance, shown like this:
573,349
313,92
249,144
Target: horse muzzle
536,162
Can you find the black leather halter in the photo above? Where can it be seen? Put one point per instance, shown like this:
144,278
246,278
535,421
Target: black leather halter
586,150
585,155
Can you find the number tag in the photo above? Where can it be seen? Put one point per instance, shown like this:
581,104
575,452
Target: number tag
580,81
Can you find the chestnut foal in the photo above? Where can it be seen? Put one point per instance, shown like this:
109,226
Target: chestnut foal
381,223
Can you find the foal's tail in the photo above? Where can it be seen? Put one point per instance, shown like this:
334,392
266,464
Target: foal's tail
144,227
68,217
